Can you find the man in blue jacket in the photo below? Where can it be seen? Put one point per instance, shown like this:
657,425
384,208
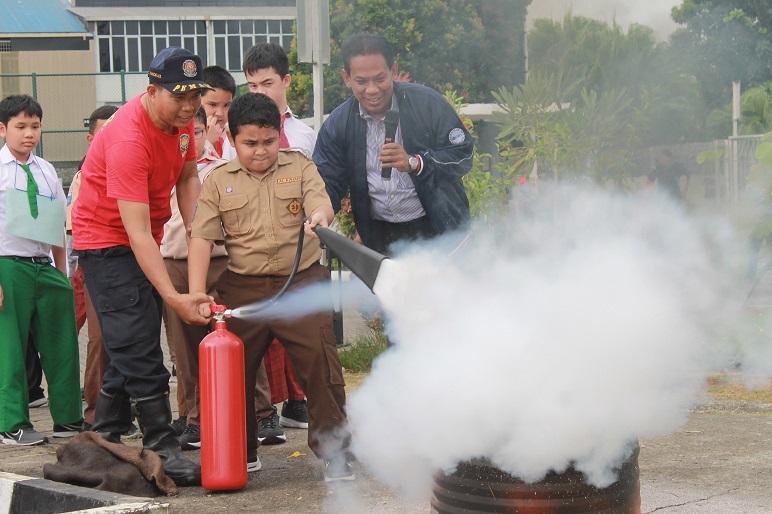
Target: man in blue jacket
424,196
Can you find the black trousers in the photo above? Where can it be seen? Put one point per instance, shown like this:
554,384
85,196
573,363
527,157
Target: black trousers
34,371
129,311
384,234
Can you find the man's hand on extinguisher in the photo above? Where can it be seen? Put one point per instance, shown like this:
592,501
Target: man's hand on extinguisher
205,310
192,308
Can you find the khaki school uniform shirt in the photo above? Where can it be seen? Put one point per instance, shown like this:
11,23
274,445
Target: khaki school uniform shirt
260,218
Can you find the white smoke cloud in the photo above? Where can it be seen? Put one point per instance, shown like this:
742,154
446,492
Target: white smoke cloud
556,340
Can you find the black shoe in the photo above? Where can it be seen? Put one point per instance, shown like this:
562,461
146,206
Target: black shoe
179,425
69,429
23,437
254,465
294,414
338,469
40,401
190,438
268,431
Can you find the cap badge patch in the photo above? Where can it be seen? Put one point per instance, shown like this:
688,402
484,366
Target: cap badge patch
184,143
189,68
294,206
456,136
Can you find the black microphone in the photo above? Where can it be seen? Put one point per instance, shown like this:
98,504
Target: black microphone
391,120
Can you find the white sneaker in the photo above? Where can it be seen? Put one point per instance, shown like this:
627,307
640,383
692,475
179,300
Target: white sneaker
254,465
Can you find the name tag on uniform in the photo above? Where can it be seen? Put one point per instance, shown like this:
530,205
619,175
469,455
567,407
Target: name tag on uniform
288,180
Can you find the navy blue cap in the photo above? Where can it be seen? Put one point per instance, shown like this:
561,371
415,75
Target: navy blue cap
177,70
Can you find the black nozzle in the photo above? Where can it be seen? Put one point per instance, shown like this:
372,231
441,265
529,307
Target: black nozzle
362,261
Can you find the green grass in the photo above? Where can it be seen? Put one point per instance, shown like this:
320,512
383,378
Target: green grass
353,380
723,386
359,356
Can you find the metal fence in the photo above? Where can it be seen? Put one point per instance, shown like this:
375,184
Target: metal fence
68,99
717,171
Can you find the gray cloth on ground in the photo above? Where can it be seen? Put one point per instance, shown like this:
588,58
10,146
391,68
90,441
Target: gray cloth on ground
88,460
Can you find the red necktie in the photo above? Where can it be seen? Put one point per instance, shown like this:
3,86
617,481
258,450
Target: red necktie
218,146
283,142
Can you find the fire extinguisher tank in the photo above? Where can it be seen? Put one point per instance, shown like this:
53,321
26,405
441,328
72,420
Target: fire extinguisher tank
223,418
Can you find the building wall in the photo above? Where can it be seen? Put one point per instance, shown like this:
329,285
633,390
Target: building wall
184,3
66,99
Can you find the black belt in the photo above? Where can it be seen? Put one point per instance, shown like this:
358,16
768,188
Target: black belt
34,260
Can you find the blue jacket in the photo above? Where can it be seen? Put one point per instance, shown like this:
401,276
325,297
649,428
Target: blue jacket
430,127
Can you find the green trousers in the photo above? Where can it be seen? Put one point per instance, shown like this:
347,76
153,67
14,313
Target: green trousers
38,299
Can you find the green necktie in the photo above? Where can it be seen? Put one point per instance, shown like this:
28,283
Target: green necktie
32,191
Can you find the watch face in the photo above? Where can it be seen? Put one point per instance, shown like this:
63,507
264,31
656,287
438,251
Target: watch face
413,162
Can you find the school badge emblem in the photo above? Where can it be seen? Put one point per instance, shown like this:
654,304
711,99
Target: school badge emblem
456,136
294,206
184,143
189,68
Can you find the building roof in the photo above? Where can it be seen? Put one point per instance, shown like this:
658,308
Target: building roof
30,18
183,13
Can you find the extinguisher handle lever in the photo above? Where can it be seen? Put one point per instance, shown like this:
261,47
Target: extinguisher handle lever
220,312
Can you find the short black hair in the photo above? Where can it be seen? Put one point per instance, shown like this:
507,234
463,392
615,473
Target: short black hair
100,113
366,44
220,78
201,115
253,109
266,55
13,105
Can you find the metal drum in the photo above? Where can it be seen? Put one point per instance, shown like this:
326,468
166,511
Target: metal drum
477,486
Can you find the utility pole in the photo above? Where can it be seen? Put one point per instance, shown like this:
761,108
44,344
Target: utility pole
736,108
314,46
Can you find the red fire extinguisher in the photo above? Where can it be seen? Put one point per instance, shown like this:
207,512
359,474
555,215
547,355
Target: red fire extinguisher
223,418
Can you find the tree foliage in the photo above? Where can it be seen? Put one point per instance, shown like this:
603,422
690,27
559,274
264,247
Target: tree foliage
722,41
470,46
611,66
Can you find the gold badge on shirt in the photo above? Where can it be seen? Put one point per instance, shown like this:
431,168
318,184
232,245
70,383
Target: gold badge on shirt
184,143
295,206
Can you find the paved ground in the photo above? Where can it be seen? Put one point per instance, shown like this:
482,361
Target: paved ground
720,462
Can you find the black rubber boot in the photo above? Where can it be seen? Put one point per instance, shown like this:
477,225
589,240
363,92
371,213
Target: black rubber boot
112,416
155,416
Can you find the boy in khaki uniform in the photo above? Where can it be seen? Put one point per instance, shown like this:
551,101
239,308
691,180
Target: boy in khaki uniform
257,204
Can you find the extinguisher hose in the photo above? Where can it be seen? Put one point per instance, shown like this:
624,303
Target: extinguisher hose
275,298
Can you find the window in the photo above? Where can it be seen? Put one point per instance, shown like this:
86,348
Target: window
5,45
234,37
131,45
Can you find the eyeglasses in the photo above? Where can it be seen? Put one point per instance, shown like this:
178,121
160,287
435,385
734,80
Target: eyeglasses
199,132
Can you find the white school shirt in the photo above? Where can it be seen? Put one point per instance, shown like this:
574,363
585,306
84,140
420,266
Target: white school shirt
13,176
299,135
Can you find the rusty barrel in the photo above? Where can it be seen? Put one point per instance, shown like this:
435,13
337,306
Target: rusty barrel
478,486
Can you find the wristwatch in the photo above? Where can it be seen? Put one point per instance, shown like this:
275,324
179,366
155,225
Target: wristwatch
413,163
